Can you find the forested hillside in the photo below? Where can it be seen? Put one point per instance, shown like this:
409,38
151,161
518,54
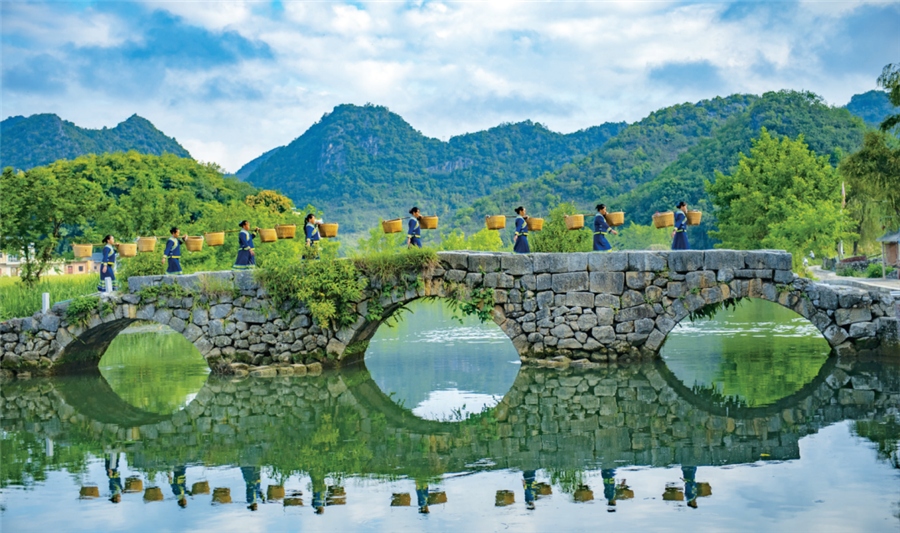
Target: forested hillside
38,140
366,162
872,107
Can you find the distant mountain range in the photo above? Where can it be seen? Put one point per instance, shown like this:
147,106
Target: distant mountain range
29,142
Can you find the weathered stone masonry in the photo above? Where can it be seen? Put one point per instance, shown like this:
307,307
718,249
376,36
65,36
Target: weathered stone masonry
596,306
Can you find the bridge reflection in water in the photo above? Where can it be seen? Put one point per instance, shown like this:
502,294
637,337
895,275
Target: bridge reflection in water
565,422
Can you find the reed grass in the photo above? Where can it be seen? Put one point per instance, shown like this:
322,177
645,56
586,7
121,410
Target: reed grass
17,300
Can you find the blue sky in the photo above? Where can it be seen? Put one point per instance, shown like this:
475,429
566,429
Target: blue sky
233,79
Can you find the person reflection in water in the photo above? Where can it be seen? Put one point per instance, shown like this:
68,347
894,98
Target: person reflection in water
609,488
178,482
689,476
422,496
318,499
251,480
115,479
530,488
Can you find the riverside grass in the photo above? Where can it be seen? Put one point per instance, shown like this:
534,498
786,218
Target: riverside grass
18,300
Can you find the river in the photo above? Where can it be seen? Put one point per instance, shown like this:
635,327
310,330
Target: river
746,424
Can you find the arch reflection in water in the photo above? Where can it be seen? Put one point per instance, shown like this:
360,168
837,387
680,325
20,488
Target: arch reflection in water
439,368
153,368
750,355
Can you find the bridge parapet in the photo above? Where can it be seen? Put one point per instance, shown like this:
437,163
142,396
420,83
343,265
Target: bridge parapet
596,306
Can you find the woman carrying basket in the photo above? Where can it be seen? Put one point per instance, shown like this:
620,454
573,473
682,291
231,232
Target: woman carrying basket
108,264
246,256
172,254
312,236
521,237
414,235
679,236
601,229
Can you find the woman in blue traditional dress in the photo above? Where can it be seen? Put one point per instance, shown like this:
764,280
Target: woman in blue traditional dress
246,257
172,253
414,234
108,263
601,229
521,238
312,236
679,236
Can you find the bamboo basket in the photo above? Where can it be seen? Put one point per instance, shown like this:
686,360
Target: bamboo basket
216,238
693,218
268,235
504,498
664,220
328,231
193,244
534,224
392,226
428,222
134,484
437,498
673,494
574,221
89,492
127,249
544,489
83,250
293,501
703,489
221,495
153,494
200,487
615,219
496,222
583,494
286,231
400,500
275,492
146,244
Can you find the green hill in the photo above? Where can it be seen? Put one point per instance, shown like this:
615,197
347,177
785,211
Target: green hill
873,107
364,162
634,157
38,140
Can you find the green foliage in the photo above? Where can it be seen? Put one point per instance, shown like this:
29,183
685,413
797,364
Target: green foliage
271,201
81,307
872,106
471,301
19,300
483,240
376,164
41,139
329,288
890,81
144,264
638,237
555,237
214,287
873,187
781,196
387,266
709,311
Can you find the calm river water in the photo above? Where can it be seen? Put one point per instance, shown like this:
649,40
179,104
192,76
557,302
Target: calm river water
746,424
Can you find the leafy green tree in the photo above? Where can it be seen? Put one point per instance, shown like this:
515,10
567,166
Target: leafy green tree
555,237
638,237
271,200
41,208
890,80
873,180
780,196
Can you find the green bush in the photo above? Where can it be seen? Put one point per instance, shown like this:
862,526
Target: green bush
388,265
874,270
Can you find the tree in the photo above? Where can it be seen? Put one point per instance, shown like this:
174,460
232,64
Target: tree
270,200
873,180
555,237
41,208
781,196
890,80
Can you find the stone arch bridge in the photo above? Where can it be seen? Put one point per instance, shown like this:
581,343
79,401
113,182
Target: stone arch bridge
596,306
620,415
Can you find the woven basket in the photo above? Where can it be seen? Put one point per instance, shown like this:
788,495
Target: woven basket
428,222
615,219
496,222
221,495
146,244
392,226
275,492
134,484
328,231
216,238
286,231
200,487
664,220
534,224
437,498
504,498
293,502
574,222
83,250
89,492
268,235
693,218
193,244
127,249
583,494
400,500
153,494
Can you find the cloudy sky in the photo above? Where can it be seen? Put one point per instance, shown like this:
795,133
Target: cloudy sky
232,79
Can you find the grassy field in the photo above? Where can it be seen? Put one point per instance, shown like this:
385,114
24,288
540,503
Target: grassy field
17,300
